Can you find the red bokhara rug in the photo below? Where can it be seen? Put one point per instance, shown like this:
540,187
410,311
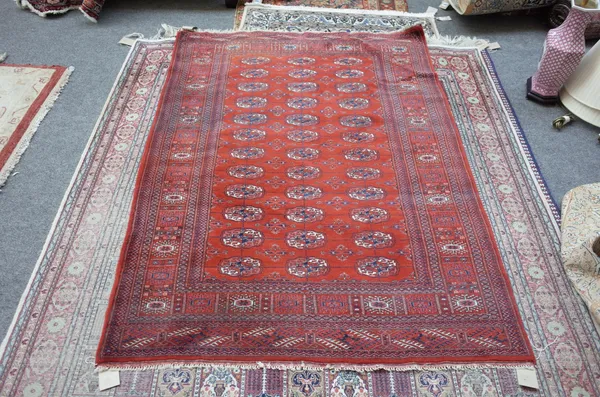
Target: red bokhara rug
306,198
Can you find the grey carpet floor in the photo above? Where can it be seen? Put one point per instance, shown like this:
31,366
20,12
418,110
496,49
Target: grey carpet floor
30,199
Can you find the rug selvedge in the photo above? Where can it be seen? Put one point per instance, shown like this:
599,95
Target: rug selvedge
564,367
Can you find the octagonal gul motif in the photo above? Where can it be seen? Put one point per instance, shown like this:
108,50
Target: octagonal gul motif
249,135
255,61
363,173
373,239
351,87
349,73
305,86
356,121
240,266
244,191
254,73
302,103
307,267
302,119
251,102
253,87
303,153
358,136
369,215
242,238
302,61
303,192
245,171
305,239
305,214
377,266
303,172
348,61
366,193
361,154
243,213
248,153
302,73
354,103
250,118
302,136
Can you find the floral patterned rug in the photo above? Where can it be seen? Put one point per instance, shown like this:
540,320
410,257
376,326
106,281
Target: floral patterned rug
389,5
27,93
90,8
304,19
52,342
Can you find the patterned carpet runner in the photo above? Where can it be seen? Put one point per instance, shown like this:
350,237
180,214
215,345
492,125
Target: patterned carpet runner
26,94
384,5
50,346
306,198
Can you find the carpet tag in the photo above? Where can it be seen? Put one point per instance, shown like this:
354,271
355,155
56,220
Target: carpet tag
444,5
444,18
493,46
108,380
431,10
527,378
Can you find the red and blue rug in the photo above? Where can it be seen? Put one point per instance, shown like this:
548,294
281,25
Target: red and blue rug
306,198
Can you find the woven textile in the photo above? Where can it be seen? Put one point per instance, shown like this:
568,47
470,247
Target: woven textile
385,5
26,94
303,19
90,8
51,345
285,213
580,228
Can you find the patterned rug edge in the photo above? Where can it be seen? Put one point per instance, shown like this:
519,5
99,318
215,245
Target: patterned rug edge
33,126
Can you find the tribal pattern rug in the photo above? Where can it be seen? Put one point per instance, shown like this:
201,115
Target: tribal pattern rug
90,8
305,197
51,345
303,19
384,5
27,93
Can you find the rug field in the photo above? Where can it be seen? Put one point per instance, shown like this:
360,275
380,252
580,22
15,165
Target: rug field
27,93
51,345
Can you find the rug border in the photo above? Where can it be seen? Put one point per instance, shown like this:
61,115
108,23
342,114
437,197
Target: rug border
387,364
38,110
28,288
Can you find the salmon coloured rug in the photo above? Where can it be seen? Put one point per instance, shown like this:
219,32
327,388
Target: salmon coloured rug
27,93
51,345
306,198
384,5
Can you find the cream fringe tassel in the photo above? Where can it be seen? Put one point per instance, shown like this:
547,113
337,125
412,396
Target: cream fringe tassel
33,126
299,366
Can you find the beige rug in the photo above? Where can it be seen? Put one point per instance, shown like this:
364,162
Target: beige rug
579,250
26,94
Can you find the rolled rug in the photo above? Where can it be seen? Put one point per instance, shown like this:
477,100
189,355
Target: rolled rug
580,248
478,7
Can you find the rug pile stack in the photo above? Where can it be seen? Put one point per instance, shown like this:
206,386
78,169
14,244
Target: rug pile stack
322,203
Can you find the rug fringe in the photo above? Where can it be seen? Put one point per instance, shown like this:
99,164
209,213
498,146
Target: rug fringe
459,42
299,366
27,5
23,144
